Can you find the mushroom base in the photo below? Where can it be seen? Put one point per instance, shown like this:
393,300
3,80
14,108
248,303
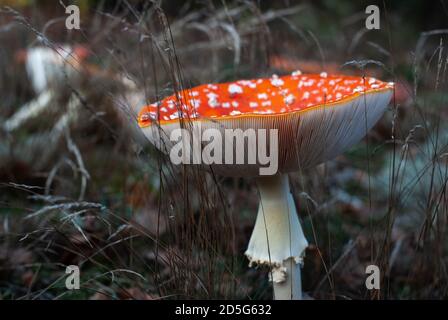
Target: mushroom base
278,240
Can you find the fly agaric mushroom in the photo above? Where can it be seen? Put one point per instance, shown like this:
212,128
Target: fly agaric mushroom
318,116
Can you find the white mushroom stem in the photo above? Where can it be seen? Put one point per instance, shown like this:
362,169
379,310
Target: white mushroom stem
277,239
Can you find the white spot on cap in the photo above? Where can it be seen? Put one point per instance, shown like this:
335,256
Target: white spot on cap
174,116
195,114
296,73
235,104
266,103
276,81
226,104
170,104
235,113
359,89
262,96
290,99
212,100
213,103
323,74
308,83
253,104
195,103
234,89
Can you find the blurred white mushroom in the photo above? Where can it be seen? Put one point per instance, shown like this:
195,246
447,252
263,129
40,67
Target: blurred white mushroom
48,67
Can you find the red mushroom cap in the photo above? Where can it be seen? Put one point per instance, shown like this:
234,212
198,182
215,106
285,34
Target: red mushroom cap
260,97
318,116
